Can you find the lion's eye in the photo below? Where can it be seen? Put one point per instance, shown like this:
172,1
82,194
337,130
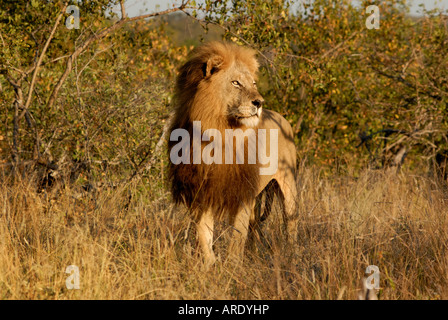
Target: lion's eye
236,83
255,84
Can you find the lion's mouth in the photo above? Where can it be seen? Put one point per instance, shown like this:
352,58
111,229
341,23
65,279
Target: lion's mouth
247,117
250,120
255,114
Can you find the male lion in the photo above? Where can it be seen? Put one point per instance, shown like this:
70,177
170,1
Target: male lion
217,88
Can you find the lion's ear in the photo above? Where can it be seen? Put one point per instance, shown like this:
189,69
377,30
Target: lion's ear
213,65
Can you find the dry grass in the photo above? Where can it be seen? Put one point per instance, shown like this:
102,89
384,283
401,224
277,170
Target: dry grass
146,250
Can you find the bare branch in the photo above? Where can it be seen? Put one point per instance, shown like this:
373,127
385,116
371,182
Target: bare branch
138,173
301,57
123,12
182,7
39,61
335,48
101,34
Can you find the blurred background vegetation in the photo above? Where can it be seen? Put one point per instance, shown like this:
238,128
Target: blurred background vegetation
94,101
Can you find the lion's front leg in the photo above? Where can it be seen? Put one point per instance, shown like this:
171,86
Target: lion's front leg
204,229
240,230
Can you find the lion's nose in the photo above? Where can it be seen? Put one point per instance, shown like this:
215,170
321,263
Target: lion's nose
258,102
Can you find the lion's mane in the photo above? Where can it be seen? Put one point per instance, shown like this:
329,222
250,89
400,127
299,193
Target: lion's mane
222,188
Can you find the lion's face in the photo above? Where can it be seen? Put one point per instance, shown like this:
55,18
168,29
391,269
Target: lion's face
217,85
241,98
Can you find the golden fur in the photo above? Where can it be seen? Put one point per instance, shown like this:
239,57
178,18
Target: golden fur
217,86
197,100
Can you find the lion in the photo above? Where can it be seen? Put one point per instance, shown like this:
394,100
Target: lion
217,89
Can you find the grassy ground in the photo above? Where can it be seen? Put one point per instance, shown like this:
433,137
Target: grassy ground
138,248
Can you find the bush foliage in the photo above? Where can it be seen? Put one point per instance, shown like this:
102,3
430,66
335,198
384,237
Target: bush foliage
352,94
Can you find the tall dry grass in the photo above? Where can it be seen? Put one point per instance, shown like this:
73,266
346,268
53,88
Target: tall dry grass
131,243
